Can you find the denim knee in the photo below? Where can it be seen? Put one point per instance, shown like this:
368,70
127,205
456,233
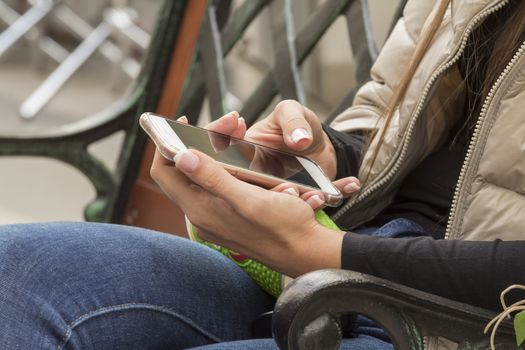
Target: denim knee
54,275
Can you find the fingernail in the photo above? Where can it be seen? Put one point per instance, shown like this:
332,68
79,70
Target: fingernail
300,134
315,201
292,191
186,160
241,120
351,187
183,119
235,113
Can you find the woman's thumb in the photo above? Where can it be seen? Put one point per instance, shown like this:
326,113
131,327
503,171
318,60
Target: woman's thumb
297,132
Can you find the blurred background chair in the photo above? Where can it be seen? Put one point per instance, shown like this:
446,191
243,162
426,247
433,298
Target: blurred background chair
118,21
22,25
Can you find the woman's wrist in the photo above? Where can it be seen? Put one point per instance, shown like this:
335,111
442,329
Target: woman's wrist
320,249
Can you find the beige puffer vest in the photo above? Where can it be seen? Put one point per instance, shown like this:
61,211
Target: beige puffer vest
490,196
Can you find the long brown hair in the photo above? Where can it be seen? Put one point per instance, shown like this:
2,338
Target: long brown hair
427,34
506,45
502,53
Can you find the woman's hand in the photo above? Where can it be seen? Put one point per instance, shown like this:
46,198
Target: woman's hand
276,228
294,128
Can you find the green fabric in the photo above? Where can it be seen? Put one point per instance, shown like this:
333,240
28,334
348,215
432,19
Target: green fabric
269,280
519,327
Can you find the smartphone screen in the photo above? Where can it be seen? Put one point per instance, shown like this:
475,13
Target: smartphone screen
243,155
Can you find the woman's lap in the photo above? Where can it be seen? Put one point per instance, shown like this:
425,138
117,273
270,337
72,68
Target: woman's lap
106,286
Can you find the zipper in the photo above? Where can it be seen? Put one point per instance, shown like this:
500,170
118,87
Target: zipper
475,137
443,68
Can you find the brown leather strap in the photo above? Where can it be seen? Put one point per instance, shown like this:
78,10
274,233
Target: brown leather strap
147,205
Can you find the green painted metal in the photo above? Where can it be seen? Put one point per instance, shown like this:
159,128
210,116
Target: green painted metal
212,61
405,313
148,96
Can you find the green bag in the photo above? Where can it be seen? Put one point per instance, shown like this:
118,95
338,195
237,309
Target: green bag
269,280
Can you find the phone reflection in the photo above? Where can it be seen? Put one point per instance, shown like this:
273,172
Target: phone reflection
244,154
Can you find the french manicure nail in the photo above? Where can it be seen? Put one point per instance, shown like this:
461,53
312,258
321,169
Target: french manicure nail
315,201
291,191
183,119
186,160
351,187
300,134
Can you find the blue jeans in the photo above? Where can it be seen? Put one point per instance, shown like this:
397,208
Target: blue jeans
99,286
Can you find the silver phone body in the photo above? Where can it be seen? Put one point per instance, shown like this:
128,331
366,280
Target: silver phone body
237,157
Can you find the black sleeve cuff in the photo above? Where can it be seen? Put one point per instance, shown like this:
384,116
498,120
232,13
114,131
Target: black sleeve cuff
353,255
348,150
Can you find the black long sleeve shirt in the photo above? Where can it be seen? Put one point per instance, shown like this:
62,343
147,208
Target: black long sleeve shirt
472,272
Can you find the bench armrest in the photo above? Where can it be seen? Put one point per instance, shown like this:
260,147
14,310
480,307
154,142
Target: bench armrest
307,313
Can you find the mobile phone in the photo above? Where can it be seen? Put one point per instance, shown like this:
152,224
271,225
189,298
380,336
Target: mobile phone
257,164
